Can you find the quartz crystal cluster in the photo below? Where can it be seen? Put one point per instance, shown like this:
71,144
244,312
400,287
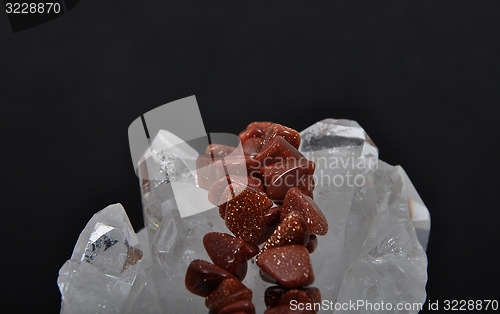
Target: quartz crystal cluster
374,250
104,266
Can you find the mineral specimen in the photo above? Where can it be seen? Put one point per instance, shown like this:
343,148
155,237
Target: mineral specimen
202,277
291,230
229,288
277,295
249,215
104,265
228,252
378,228
289,266
297,201
290,135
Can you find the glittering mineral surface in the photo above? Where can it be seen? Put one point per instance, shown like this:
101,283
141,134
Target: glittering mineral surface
374,250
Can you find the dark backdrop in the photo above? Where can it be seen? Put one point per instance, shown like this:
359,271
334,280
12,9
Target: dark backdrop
422,77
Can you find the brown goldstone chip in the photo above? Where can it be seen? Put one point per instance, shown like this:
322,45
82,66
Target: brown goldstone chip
219,150
268,172
275,295
290,135
233,190
242,306
251,249
313,293
313,243
209,170
252,146
295,294
241,165
245,212
298,201
286,309
215,192
280,177
203,277
227,252
254,130
276,151
291,230
289,266
229,288
271,219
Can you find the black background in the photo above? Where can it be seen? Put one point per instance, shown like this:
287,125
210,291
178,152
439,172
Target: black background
422,77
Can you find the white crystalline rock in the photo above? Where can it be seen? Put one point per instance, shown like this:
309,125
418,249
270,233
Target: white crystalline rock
382,258
342,148
103,266
334,136
374,250
374,254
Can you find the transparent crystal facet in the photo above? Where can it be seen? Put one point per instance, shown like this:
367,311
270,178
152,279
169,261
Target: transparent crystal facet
103,266
167,174
382,258
332,135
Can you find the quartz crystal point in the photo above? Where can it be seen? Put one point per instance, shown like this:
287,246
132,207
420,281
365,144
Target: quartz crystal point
332,135
104,264
379,226
167,178
164,160
342,148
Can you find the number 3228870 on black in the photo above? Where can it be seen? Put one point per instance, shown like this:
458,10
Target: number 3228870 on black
32,7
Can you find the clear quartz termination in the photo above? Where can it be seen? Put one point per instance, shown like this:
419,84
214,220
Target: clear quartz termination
374,251
337,139
381,226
